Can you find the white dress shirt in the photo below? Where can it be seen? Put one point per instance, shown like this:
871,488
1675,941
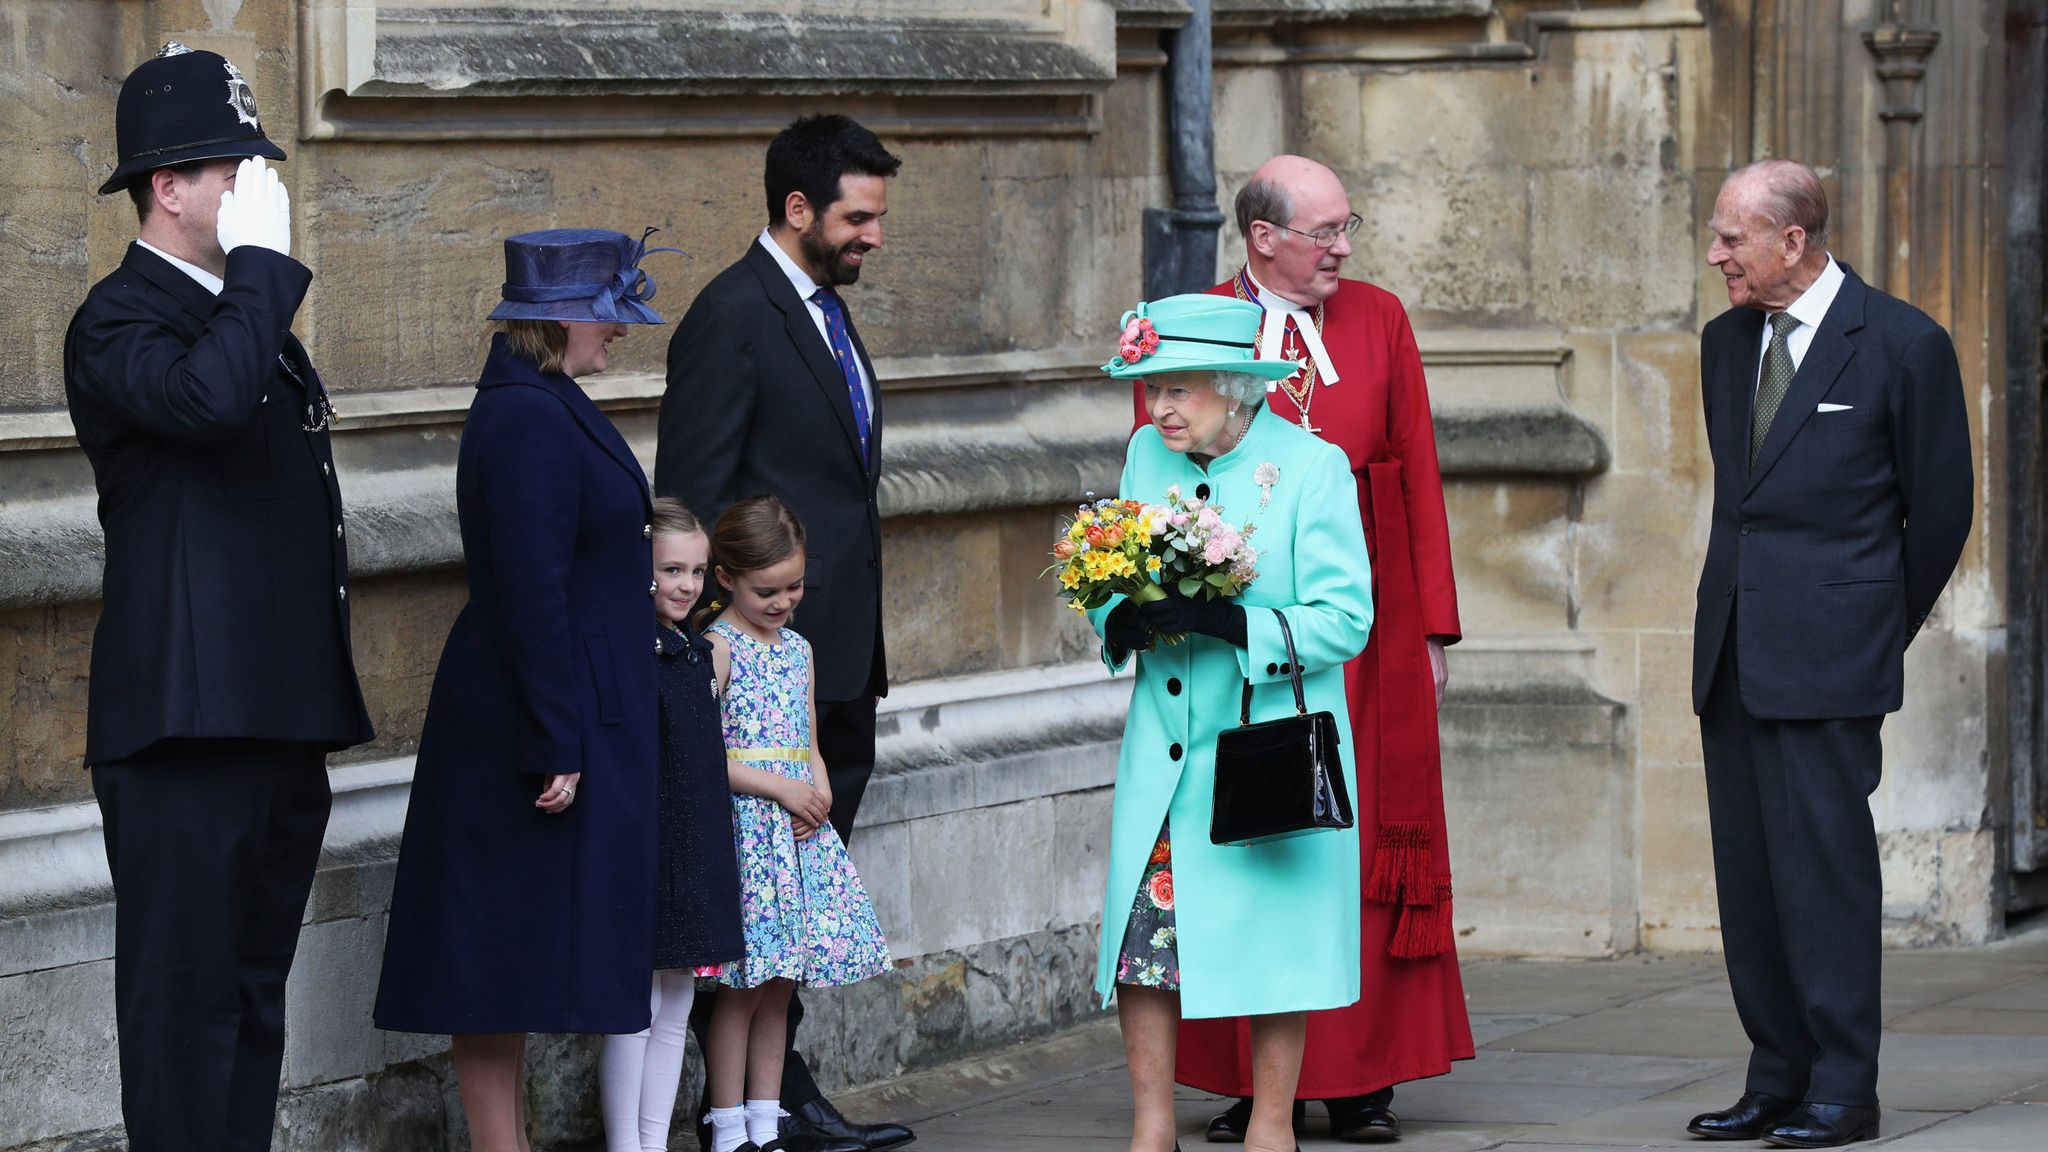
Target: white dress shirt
805,288
1273,331
1810,309
207,280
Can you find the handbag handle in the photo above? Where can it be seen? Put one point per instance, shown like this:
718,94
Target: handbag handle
1244,714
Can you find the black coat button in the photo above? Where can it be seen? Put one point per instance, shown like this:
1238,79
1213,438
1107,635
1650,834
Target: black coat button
1201,491
1173,686
1174,751
1745,529
1287,669
1272,668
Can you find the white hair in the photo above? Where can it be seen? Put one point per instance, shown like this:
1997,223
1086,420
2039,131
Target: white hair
1242,387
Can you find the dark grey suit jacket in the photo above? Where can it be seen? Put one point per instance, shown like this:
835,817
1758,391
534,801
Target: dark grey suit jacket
1830,551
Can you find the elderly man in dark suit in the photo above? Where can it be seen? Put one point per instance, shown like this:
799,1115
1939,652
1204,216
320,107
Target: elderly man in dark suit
221,668
1841,449
771,391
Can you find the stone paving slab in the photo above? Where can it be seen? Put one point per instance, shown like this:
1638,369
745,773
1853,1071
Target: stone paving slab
1590,1055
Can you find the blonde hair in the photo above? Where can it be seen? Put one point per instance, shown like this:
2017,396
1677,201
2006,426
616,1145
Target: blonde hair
544,342
672,517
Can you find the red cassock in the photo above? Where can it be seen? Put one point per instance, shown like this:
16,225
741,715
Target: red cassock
1411,1021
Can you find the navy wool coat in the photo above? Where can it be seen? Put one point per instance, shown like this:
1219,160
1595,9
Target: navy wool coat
505,918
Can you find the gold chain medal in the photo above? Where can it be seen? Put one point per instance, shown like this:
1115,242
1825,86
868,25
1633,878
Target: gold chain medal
1294,349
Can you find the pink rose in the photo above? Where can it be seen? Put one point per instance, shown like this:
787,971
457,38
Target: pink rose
1132,331
1217,550
1129,353
1178,519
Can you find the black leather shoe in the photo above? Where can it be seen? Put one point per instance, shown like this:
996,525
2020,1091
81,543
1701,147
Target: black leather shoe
1747,1119
1823,1126
1364,1119
1228,1126
820,1119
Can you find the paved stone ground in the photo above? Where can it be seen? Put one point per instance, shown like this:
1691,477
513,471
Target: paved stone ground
1573,1055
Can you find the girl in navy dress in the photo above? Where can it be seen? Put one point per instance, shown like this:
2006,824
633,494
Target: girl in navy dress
807,918
697,890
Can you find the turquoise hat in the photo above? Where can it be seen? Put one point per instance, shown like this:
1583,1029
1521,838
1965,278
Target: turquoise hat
1196,332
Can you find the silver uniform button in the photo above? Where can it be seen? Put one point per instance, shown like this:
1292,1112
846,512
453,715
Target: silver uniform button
337,531
344,592
654,589
647,532
325,470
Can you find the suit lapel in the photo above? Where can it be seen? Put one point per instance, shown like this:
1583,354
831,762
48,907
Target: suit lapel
1826,357
803,334
189,293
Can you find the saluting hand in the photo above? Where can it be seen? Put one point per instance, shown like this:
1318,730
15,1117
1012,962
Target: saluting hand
257,210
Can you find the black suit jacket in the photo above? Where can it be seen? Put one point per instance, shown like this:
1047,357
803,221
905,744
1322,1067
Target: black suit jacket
223,613
1830,551
756,404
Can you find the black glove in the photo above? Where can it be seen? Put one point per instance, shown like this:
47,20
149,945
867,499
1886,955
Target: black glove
1123,630
1221,618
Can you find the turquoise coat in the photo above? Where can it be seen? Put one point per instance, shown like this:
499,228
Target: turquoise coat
1270,927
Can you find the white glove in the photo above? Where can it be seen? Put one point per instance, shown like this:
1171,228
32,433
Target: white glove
256,211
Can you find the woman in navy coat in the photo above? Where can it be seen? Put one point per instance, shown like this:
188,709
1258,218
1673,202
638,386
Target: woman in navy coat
525,889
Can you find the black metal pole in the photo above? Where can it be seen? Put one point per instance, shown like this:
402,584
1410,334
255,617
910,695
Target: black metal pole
1180,242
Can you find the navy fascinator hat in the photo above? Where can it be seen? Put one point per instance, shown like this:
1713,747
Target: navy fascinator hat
588,274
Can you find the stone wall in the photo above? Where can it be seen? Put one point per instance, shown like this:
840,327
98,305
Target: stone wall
1534,176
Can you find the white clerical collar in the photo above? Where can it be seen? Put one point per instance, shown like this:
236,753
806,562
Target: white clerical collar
1273,330
1812,306
207,280
798,278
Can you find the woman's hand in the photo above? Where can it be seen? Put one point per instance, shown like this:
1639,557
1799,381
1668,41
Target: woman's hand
1220,617
1123,631
559,793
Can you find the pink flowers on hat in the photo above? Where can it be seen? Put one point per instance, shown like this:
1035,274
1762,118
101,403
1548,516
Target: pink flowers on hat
1138,341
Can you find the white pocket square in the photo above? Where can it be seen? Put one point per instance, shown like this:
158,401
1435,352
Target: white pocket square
1834,407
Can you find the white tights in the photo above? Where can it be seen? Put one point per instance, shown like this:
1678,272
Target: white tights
640,1073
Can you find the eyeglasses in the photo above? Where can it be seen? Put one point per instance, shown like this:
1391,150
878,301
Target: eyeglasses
1326,237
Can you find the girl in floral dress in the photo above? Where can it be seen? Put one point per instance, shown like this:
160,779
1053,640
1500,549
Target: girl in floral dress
807,919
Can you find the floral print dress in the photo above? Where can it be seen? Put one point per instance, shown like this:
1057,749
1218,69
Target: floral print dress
806,916
1149,956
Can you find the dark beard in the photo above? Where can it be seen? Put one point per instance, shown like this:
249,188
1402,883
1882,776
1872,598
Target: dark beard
821,255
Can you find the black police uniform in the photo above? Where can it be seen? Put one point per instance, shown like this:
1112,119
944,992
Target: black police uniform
221,669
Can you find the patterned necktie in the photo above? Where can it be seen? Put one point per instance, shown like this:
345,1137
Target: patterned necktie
849,364
1776,378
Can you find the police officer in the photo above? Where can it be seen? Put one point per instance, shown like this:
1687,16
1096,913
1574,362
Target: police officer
221,670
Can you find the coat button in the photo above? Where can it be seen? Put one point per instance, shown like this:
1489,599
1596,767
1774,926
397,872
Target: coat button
1174,751
1745,529
647,531
343,592
1287,669
337,531
1201,491
657,645
653,589
1272,668
1173,686
325,470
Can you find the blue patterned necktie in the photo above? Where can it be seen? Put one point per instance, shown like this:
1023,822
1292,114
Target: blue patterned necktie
849,364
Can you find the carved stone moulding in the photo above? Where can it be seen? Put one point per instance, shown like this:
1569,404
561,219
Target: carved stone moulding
453,70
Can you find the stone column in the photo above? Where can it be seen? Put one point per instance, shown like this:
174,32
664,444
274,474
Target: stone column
1901,47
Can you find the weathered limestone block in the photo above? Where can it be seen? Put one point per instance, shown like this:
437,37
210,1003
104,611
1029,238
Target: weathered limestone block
1541,804
1508,544
58,1072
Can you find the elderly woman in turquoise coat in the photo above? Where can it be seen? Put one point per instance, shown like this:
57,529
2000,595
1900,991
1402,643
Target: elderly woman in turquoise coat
1192,928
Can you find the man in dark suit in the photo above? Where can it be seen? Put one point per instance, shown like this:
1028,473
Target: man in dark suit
771,391
221,668
1841,450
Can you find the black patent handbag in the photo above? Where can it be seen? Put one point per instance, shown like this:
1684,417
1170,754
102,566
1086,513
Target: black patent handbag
1278,778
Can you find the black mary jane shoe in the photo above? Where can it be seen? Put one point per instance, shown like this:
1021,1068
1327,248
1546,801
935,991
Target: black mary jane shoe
1229,1125
1823,1126
1747,1119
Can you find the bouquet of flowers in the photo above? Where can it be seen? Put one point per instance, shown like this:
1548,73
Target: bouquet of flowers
1200,553
1109,548
1123,546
